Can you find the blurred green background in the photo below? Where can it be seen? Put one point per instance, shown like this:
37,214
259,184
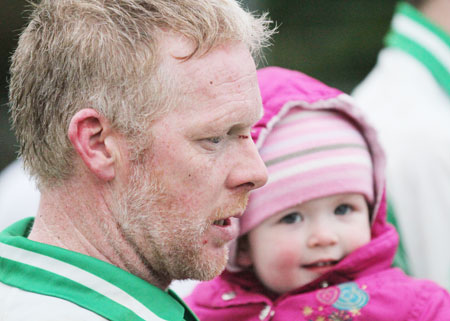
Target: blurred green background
335,41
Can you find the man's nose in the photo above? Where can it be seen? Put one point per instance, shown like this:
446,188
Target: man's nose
249,171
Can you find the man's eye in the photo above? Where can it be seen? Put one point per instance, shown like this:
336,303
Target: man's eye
343,209
291,218
214,140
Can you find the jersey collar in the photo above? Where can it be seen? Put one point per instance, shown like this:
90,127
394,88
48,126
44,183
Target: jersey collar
413,33
86,281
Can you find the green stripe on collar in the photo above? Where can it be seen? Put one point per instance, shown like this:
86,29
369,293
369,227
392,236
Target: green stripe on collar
411,12
439,72
91,283
414,34
40,281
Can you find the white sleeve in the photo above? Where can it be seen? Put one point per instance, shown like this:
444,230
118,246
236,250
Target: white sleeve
418,181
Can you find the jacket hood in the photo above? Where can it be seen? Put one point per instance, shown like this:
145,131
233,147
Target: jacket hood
282,90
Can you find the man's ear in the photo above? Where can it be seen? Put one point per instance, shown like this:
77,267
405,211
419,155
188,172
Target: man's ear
243,257
91,136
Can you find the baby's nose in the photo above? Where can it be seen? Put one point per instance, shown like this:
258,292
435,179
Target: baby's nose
322,236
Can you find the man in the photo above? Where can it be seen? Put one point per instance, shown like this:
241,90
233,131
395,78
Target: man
407,96
134,117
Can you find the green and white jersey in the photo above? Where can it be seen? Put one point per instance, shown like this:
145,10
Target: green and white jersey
406,97
417,36
44,282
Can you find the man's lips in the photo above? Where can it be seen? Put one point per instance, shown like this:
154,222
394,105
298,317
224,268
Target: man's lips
227,221
224,230
223,222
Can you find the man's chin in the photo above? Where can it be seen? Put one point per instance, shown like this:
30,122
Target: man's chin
208,266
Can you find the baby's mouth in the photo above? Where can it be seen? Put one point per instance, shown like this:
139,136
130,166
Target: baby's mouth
320,264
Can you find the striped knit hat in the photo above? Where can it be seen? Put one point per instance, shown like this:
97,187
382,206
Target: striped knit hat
310,154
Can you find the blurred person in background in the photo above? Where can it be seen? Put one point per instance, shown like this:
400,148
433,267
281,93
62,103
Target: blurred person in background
19,196
134,119
407,97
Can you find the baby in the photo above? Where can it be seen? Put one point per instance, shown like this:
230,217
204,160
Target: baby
314,242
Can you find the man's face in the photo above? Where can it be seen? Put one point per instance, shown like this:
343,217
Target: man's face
199,169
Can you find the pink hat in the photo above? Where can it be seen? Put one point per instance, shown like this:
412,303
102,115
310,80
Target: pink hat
310,154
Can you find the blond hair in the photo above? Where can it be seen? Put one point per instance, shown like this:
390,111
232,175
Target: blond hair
103,54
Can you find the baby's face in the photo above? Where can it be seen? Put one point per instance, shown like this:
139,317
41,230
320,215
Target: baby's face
296,246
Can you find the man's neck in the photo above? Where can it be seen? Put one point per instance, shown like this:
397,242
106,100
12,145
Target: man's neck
80,222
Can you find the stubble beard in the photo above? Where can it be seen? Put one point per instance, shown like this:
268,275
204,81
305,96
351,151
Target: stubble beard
165,239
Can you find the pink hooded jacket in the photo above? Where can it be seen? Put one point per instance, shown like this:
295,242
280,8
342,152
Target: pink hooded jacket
362,286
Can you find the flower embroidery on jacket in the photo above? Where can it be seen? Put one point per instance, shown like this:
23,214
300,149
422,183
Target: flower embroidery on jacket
351,298
342,302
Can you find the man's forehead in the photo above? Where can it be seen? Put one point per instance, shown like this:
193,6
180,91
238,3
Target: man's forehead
224,63
221,83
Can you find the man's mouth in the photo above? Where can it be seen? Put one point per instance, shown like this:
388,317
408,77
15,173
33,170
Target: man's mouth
223,222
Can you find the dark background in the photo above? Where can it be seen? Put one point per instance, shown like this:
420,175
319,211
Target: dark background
335,41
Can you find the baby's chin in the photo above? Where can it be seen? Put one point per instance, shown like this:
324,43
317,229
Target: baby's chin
309,276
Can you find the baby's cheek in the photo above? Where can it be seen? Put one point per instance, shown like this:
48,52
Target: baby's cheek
357,240
287,257
282,272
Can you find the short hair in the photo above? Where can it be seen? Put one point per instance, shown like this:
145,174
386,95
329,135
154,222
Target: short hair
102,54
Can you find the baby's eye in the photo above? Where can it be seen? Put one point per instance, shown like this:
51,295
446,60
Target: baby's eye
291,218
342,209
